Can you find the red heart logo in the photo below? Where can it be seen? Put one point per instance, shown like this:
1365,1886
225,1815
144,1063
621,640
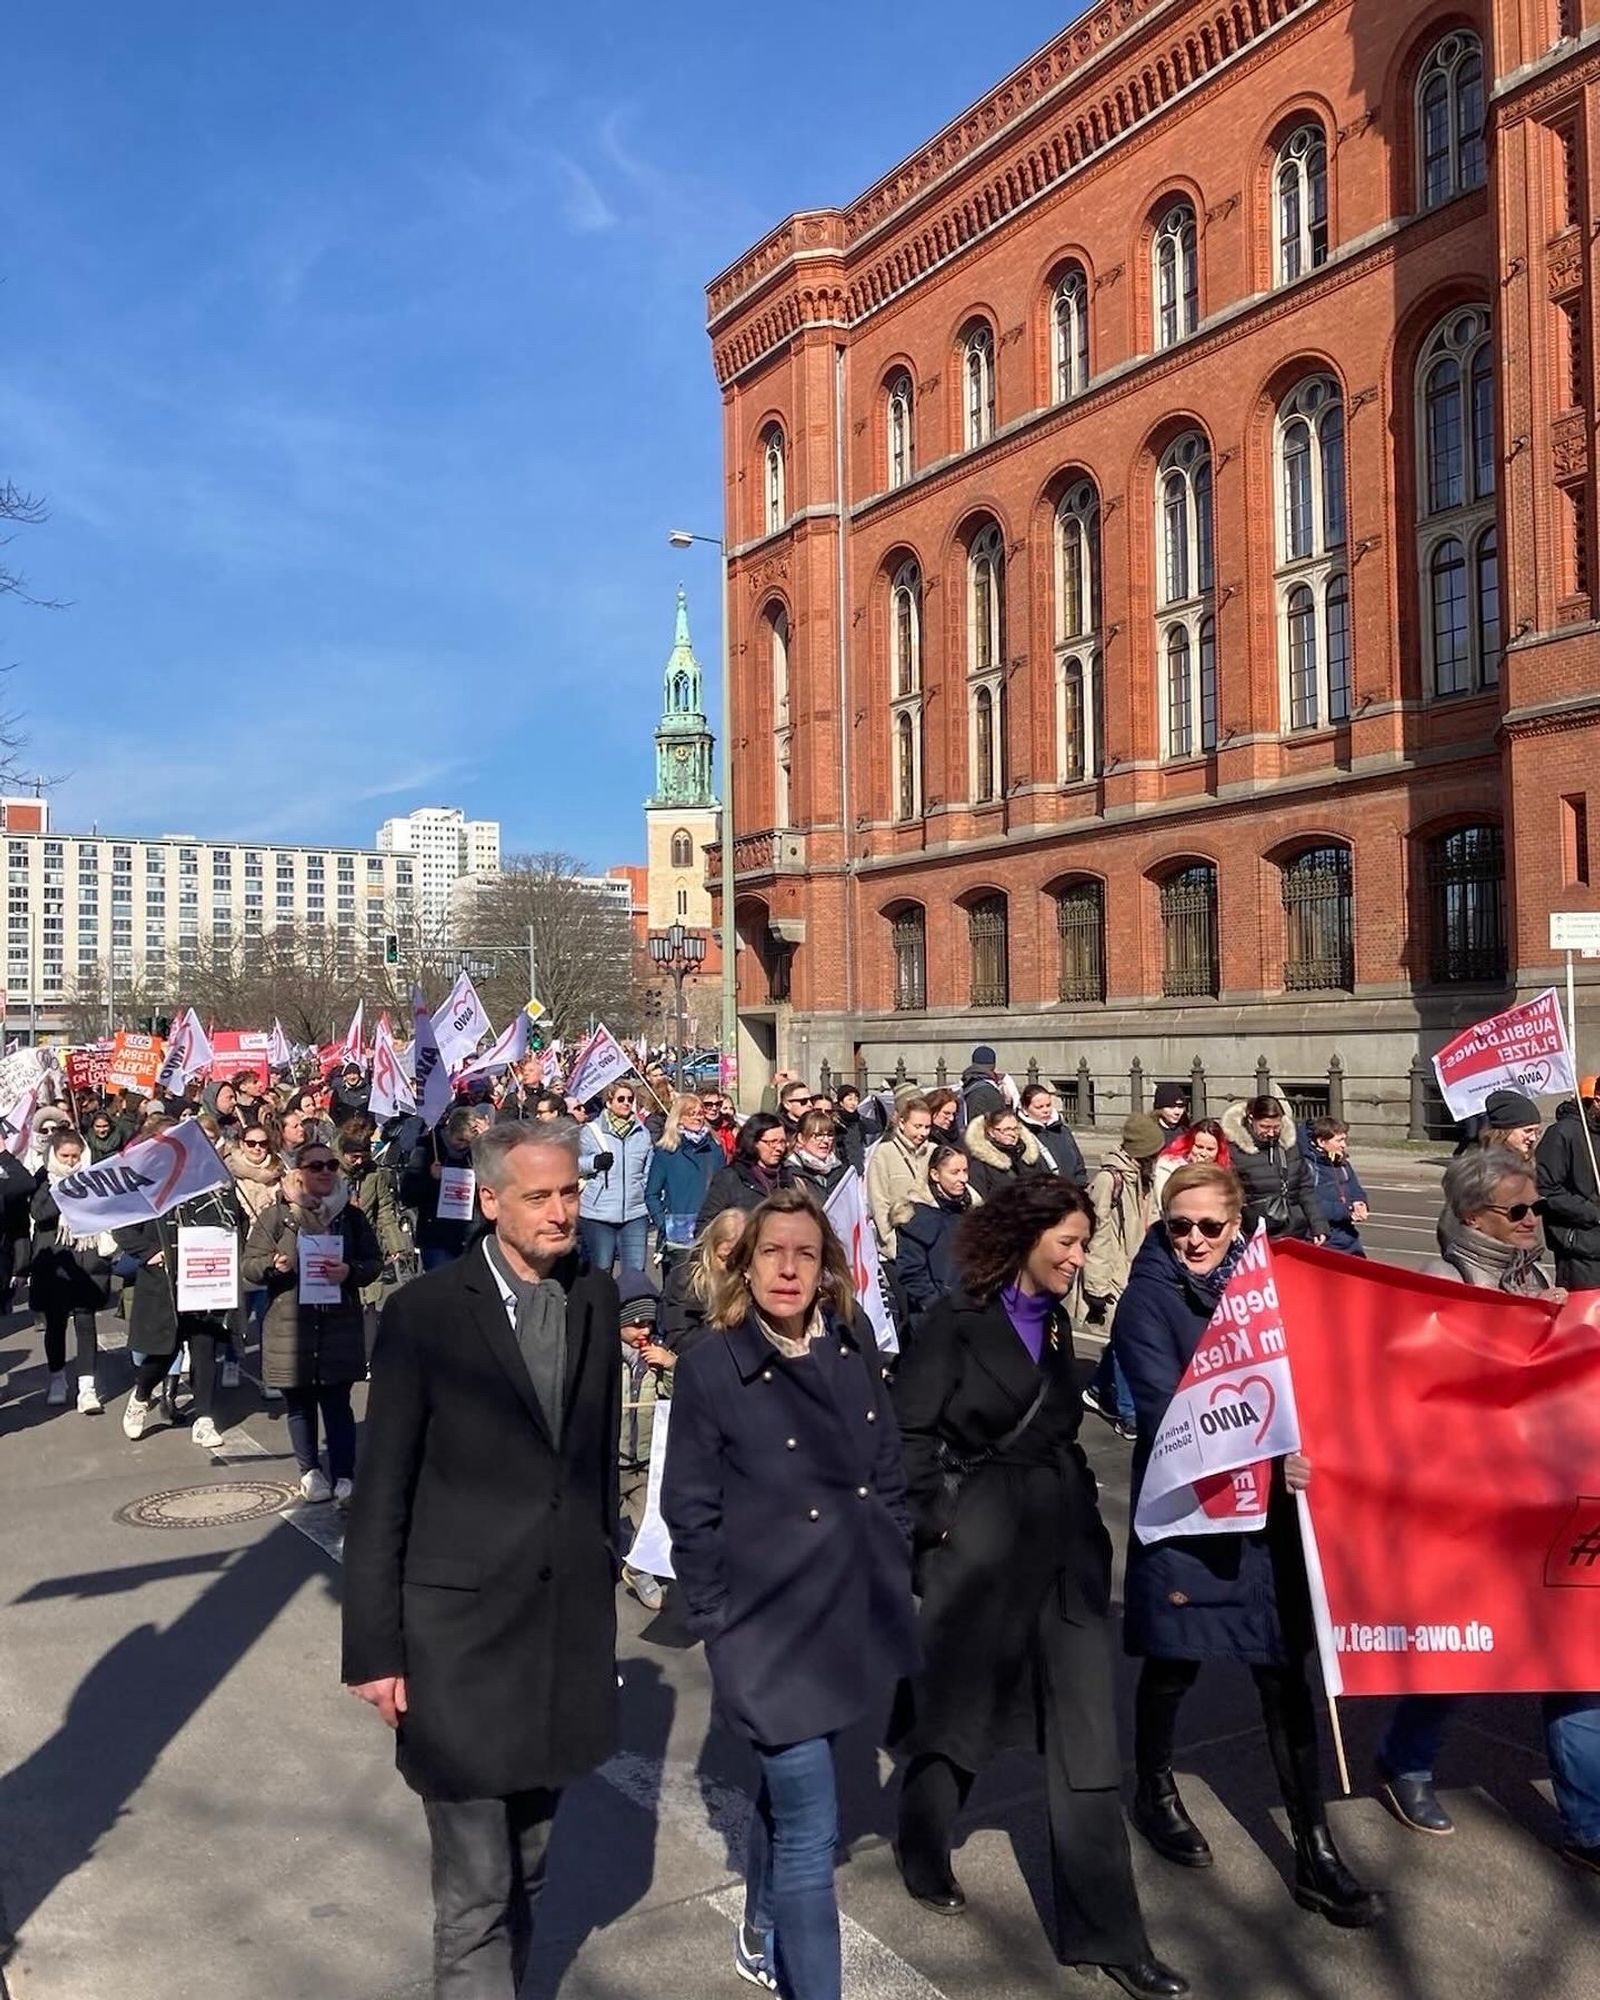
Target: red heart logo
1239,1388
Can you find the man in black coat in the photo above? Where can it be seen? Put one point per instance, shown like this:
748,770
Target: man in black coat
480,1564
1565,1167
980,1084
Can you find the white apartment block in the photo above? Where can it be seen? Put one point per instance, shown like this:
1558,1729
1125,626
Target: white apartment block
92,908
445,846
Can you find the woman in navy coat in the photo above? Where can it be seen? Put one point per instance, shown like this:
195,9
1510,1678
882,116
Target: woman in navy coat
785,1497
1216,1597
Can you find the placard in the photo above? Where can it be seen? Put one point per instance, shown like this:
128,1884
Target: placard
208,1270
135,1062
317,1253
458,1190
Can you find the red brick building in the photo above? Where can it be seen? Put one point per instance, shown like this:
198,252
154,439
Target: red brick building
1162,529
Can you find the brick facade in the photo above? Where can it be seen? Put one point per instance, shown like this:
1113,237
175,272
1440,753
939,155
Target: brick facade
1082,163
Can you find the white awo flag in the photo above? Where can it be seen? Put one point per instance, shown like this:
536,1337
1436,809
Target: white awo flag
428,1065
279,1054
599,1063
391,1090
1232,1414
188,1052
350,1049
507,1051
846,1208
141,1182
460,1023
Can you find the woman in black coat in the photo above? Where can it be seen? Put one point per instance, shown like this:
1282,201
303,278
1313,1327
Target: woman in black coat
68,1279
785,1497
1193,1598
1003,1151
1015,1572
925,1232
812,1162
753,1173
156,1328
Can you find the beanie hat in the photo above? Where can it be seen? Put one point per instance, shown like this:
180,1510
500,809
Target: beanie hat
983,1057
1505,1110
1142,1136
638,1298
1169,1095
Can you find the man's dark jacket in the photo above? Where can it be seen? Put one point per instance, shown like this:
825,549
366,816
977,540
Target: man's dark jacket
480,1558
1567,1188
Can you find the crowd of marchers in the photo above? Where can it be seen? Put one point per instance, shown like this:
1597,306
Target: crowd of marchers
915,1535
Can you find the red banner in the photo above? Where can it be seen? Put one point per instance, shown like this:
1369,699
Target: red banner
1454,1436
234,1050
87,1068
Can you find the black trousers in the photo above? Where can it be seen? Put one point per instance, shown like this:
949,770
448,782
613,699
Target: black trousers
1287,1710
152,1371
489,1859
55,1341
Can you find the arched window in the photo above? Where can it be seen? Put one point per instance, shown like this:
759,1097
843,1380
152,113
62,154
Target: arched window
1077,577
1450,145
1458,549
1318,921
901,409
1081,934
986,661
682,849
1300,205
1175,276
909,942
1467,914
905,689
1186,629
1189,967
774,497
1313,583
1069,333
782,731
977,368
988,947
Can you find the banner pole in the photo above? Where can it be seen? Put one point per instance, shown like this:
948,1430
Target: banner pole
1572,1039
1338,1744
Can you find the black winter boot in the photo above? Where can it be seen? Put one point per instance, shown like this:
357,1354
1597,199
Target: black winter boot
1160,1815
1324,1884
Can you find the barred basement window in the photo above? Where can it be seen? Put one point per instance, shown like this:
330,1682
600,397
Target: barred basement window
1189,933
1318,921
1081,928
910,942
987,945
1466,893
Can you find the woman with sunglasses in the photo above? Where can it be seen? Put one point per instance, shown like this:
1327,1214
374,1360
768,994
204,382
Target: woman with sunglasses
1238,1597
257,1175
315,1353
614,1156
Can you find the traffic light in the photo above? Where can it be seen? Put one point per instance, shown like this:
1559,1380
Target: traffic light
391,948
536,1040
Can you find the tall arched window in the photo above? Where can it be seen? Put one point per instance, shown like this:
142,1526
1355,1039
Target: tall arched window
1450,146
1318,921
1186,626
682,849
1069,333
1077,608
905,689
1175,276
901,408
977,367
1458,555
1081,936
986,662
1189,967
1467,907
775,505
782,729
909,941
989,948
1313,582
1300,205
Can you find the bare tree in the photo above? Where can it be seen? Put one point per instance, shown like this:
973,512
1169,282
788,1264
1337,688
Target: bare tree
17,510
583,944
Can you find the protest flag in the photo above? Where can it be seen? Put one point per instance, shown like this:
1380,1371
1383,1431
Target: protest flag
392,1094
460,1023
846,1210
597,1065
507,1051
279,1054
351,1049
141,1182
188,1053
428,1064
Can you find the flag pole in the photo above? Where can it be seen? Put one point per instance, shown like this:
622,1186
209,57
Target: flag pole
1338,1744
1572,1039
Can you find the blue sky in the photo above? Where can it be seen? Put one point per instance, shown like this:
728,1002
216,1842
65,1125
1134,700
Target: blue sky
360,353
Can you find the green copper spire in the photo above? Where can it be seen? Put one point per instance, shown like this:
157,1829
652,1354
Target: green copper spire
683,737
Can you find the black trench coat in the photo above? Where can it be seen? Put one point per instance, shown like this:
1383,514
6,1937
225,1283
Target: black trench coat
1020,1571
786,1500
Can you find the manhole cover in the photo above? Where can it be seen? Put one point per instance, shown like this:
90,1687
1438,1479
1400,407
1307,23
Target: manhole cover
221,1506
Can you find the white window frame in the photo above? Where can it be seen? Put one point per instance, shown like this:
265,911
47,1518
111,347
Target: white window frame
905,700
1461,339
986,664
1186,592
1313,411
1465,153
774,490
900,430
1077,631
1069,334
782,730
1300,177
977,385
1175,308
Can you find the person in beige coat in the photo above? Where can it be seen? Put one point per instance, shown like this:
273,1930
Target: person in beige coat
897,1169
1124,1207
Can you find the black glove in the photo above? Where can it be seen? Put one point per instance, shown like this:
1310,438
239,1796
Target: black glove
603,1162
1096,1314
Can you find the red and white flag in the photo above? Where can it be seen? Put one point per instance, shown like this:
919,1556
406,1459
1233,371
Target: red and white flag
279,1054
188,1053
391,1090
351,1049
846,1209
507,1051
428,1065
1524,1049
460,1023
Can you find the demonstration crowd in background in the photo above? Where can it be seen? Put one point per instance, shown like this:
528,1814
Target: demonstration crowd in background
858,1316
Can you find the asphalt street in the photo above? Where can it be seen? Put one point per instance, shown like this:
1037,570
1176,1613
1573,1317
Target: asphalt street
192,1808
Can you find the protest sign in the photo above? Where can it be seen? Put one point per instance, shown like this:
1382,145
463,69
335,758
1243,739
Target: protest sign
135,1062
1454,1505
141,1182
236,1050
20,1071
652,1545
317,1254
87,1068
846,1209
1231,1414
208,1270
1524,1049
597,1065
460,1023
458,1189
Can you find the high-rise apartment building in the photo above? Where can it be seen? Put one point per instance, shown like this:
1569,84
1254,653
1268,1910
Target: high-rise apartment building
445,846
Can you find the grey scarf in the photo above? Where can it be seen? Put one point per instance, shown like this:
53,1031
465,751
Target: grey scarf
541,1330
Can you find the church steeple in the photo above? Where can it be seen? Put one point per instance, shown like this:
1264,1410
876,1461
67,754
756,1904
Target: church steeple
683,737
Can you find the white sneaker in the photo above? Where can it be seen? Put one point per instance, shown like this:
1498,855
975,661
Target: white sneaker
133,1417
205,1434
56,1395
344,1491
314,1486
230,1374
89,1403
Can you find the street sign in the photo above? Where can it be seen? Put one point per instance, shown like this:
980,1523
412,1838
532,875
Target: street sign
479,968
1575,930
535,1010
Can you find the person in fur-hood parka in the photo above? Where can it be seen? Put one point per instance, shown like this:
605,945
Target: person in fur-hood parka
1278,1182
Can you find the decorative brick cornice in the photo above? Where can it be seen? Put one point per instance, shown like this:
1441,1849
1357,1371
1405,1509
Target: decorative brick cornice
1582,714
1527,97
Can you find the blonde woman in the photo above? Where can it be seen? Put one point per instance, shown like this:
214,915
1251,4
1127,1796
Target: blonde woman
683,1321
785,1496
897,1168
686,1156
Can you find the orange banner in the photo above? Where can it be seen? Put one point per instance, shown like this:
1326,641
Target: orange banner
135,1062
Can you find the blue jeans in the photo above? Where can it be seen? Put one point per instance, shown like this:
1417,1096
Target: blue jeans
1417,1728
789,1891
624,1244
1108,1385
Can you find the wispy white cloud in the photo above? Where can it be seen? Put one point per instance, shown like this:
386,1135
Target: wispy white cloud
585,207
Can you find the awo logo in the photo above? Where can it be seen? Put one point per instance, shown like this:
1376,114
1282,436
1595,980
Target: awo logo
1573,1562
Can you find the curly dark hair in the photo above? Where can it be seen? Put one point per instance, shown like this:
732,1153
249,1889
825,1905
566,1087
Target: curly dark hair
993,1242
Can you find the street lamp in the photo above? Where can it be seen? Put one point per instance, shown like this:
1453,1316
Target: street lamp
678,951
680,538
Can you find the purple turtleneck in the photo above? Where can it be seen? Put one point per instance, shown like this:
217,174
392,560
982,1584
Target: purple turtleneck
1029,1313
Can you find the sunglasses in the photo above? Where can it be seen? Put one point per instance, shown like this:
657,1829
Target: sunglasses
1181,1227
254,1145
319,1166
1519,1211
